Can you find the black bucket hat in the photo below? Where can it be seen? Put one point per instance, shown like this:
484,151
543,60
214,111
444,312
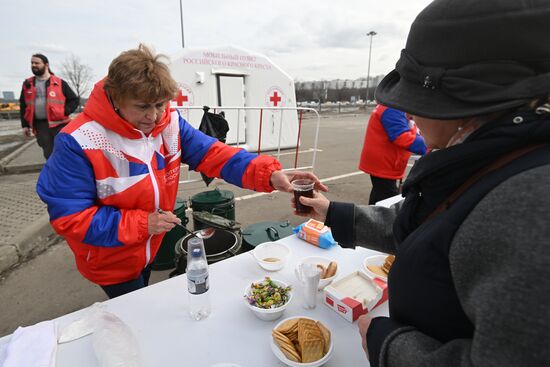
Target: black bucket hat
466,58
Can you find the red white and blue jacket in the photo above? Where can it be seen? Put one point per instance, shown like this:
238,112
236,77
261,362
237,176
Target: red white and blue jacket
389,141
105,177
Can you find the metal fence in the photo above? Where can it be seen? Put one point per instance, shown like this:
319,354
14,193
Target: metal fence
9,115
299,110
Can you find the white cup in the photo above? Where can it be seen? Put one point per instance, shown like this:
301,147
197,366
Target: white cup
309,276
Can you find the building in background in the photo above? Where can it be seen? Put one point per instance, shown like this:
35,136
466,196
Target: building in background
336,90
8,96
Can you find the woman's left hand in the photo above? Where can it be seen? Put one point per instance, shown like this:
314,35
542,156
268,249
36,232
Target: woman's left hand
363,322
281,180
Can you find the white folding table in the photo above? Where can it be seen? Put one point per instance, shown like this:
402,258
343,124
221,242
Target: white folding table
157,315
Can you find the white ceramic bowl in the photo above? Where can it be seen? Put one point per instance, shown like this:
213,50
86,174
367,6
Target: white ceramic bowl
288,362
377,260
271,250
268,314
318,260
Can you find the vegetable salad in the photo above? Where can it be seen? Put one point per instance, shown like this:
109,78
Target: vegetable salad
266,294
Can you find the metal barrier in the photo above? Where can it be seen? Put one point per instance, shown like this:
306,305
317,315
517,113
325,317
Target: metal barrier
9,115
300,111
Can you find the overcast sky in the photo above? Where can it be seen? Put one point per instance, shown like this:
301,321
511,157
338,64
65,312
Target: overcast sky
309,39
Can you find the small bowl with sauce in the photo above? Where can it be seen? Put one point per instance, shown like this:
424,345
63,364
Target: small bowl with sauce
271,256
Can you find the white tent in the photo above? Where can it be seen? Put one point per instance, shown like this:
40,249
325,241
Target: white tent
234,77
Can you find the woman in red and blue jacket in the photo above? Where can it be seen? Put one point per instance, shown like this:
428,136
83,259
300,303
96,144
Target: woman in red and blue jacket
117,163
390,140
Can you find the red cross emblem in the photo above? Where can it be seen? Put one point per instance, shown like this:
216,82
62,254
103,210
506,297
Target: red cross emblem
181,99
275,98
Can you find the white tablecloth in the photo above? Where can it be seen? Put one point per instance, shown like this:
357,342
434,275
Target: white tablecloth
157,315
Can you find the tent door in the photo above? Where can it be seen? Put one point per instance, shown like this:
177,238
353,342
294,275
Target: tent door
231,94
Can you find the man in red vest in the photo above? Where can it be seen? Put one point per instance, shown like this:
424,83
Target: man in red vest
46,102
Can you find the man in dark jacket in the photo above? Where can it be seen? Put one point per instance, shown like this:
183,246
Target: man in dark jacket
46,103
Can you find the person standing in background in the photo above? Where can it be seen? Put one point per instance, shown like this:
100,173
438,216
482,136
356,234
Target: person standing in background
390,140
46,102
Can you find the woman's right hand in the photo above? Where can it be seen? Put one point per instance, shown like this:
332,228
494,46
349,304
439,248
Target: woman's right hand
162,222
319,204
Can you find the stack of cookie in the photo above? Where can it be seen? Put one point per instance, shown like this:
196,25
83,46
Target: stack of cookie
385,268
388,263
302,340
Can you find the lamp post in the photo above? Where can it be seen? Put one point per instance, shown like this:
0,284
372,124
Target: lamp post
181,22
371,34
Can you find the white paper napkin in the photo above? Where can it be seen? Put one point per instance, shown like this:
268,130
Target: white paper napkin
32,346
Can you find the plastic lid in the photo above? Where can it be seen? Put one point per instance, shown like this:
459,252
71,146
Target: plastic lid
262,232
216,196
196,252
180,203
194,241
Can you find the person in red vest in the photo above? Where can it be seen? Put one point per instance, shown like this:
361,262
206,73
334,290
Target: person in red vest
390,140
46,102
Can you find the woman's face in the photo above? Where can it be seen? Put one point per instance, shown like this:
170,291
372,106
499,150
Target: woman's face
142,115
436,133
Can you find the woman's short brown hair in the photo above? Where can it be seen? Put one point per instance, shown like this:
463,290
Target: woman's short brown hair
140,74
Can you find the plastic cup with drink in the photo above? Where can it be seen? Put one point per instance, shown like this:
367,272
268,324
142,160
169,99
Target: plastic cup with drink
302,187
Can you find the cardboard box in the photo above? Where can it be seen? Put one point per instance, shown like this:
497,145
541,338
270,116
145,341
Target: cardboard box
355,295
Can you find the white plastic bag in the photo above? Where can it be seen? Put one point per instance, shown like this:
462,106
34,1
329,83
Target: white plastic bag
113,341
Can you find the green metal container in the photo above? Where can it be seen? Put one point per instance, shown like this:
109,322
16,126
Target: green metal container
165,256
218,202
262,232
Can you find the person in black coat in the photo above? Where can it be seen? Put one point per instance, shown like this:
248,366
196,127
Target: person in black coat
470,283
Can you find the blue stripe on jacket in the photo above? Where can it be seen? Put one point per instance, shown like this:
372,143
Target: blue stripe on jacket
418,146
395,123
194,144
103,230
160,161
136,169
67,185
234,168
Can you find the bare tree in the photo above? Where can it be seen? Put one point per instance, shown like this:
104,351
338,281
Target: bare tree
77,74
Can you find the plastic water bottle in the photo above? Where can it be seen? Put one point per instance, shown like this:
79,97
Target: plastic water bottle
197,280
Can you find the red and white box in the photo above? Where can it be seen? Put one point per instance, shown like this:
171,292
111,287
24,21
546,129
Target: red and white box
355,295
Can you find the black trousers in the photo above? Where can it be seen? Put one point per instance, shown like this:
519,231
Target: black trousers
119,289
382,188
45,135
